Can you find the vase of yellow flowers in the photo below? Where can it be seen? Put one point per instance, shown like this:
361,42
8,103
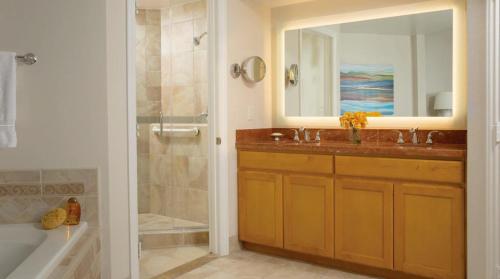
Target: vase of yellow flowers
355,121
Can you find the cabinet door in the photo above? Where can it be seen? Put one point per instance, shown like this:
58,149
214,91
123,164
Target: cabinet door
308,214
364,222
429,230
260,208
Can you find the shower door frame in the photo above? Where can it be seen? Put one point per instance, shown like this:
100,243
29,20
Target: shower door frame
218,197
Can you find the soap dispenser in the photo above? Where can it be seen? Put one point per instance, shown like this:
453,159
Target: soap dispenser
73,211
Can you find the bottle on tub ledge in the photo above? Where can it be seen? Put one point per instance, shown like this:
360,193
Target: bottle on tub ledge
73,211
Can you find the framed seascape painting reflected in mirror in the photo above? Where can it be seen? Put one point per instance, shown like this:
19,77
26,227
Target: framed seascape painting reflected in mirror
367,88
395,66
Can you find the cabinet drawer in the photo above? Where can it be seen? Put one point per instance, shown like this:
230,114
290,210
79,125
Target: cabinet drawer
406,169
319,164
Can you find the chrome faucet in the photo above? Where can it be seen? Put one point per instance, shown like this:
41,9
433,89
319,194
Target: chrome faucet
429,136
318,136
401,139
413,135
307,134
296,135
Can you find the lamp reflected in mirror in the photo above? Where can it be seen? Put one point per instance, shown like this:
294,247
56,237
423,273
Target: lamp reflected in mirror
443,104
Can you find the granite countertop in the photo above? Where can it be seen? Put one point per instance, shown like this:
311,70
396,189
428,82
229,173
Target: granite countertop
450,145
437,151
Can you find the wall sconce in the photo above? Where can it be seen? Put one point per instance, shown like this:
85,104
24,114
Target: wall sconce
292,75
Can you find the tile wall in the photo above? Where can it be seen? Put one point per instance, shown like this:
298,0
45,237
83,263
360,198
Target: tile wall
184,77
148,90
26,195
179,176
173,171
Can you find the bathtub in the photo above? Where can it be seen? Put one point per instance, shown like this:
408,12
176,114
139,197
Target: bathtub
27,251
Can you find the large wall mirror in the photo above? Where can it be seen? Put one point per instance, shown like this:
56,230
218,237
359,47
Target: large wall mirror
397,66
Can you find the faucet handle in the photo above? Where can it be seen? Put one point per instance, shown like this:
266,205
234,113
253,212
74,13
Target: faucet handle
307,135
414,135
429,136
296,135
401,139
318,136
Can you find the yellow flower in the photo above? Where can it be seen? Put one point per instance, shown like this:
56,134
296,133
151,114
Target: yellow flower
356,119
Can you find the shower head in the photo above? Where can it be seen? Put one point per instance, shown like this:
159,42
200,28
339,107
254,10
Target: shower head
197,40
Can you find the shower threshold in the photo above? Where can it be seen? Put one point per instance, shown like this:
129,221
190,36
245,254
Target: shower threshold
150,223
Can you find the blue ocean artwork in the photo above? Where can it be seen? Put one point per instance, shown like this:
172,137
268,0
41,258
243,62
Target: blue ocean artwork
368,88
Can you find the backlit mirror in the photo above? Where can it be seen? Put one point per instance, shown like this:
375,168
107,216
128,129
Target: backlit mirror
398,66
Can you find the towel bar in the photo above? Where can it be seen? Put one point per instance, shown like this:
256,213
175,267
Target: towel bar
28,59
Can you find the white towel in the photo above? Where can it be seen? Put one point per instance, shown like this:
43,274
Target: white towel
8,65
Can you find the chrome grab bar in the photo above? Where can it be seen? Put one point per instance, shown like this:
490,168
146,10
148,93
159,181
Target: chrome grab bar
195,131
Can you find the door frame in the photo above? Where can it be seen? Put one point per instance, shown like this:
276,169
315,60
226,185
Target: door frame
492,139
217,192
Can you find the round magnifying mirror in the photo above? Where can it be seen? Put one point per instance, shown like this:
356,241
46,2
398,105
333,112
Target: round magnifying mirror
254,69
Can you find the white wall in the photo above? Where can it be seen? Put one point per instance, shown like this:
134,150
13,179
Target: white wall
61,100
117,258
248,105
477,213
395,50
70,111
439,59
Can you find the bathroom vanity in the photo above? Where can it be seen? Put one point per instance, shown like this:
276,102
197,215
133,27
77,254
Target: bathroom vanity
378,208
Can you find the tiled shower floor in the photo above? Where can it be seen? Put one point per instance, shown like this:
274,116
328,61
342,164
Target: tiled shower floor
149,222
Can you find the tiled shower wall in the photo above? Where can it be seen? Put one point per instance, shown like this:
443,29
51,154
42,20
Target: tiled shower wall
184,65
148,90
173,177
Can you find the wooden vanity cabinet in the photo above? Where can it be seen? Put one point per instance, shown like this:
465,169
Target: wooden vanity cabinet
298,188
429,230
308,214
427,197
402,216
260,208
364,221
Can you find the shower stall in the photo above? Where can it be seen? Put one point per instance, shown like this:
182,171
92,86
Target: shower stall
172,126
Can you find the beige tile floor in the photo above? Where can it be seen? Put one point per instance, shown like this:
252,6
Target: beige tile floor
250,265
149,222
157,261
